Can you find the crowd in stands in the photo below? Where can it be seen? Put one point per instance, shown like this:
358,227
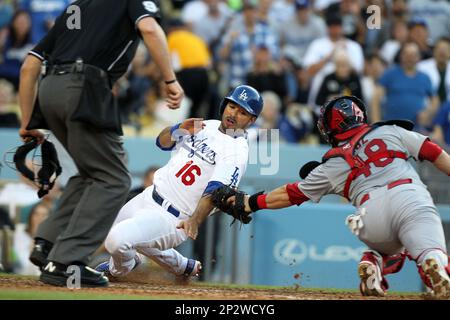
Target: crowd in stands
393,54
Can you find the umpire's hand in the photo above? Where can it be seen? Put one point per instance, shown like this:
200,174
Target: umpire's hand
27,135
175,95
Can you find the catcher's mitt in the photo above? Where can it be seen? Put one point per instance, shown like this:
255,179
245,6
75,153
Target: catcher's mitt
220,198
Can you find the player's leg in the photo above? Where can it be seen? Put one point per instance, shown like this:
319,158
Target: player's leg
152,228
385,255
173,261
421,232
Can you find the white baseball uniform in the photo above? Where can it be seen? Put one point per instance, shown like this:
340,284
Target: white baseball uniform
198,162
397,216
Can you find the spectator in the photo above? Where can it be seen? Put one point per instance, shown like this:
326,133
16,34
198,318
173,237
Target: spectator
212,26
267,74
147,181
43,14
391,47
23,239
399,10
8,118
375,37
436,13
353,26
408,92
195,11
16,48
441,123
281,11
292,128
374,68
438,69
130,89
298,32
320,54
239,43
418,33
343,81
303,84
191,60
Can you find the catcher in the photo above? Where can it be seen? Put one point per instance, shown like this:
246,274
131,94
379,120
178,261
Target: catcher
368,165
208,157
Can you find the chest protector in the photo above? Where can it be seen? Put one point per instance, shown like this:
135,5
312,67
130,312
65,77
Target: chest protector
357,165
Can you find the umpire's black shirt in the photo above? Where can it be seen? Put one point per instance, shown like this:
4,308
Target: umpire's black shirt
107,37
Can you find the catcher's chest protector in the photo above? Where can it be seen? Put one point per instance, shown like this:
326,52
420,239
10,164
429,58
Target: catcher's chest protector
357,165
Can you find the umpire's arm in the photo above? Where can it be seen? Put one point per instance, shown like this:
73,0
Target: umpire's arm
29,74
156,43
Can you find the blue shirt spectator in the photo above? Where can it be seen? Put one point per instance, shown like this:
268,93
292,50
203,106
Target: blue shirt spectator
43,14
405,94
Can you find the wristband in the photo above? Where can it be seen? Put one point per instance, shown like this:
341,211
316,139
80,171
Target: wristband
175,127
257,201
170,81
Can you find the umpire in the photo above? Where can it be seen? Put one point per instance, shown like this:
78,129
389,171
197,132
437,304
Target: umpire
90,46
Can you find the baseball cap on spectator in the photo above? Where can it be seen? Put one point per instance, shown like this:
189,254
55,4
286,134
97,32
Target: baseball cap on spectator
333,19
301,4
417,21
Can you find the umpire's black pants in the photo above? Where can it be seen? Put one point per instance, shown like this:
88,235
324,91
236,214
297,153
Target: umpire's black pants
92,199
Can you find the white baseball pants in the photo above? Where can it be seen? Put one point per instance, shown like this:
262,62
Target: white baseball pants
143,226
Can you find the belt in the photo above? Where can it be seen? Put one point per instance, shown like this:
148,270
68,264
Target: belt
160,200
389,186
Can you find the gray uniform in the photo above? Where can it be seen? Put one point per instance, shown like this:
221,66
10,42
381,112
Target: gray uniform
396,218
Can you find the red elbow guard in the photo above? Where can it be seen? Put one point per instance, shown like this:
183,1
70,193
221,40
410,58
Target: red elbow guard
295,195
429,151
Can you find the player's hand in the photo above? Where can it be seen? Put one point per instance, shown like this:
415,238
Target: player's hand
193,125
190,226
232,201
175,95
27,135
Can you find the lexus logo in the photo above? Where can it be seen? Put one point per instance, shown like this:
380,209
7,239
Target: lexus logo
292,251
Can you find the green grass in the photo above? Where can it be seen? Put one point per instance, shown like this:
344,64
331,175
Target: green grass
13,294
45,294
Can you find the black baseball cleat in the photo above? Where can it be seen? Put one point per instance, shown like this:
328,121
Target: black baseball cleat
57,274
40,252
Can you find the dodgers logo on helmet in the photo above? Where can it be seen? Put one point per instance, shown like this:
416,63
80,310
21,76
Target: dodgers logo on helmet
246,97
243,96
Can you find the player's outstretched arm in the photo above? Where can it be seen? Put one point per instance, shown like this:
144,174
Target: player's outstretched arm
204,207
443,162
282,197
435,154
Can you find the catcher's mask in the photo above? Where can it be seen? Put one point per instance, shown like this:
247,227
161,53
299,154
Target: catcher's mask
50,165
338,116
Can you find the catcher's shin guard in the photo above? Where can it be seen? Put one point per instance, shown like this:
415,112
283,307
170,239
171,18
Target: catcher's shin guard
434,271
371,275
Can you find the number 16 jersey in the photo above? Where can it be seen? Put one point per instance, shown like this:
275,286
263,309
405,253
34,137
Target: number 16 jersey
196,160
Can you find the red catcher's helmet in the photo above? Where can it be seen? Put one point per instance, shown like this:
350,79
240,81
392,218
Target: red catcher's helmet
339,116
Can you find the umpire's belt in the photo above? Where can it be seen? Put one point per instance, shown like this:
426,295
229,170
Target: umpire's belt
164,203
389,186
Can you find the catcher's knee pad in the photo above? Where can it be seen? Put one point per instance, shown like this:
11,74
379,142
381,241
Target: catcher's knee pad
394,263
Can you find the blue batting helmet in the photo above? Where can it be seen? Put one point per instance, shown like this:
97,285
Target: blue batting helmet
246,97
